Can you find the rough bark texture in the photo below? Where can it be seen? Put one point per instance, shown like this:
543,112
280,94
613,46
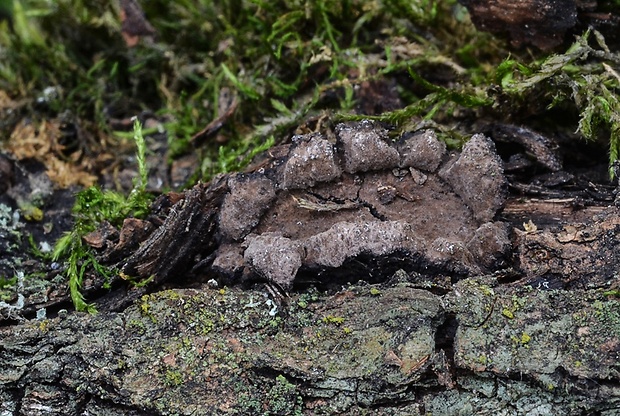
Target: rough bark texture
390,349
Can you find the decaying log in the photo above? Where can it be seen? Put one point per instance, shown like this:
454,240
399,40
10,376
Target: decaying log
395,349
467,300
188,230
328,213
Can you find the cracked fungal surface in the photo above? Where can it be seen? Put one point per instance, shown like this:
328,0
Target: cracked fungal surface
363,206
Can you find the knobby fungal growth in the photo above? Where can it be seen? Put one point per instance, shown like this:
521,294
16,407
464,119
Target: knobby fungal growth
359,206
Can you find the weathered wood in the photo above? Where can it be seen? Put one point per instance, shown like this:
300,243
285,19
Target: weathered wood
542,23
187,232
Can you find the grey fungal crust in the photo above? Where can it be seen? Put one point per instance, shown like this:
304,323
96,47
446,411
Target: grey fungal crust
327,203
311,160
477,176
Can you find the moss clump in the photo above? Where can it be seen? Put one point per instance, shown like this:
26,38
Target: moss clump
335,320
583,78
93,206
173,378
525,338
508,313
7,288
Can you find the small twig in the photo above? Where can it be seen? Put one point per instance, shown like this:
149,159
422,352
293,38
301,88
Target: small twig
325,206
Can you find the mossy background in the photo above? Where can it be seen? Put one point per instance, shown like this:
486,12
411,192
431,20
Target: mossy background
72,76
280,59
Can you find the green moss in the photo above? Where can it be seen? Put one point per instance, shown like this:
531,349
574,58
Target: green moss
31,212
283,398
335,320
93,206
374,291
508,313
7,288
607,313
581,78
173,378
136,324
44,325
525,338
487,290
144,306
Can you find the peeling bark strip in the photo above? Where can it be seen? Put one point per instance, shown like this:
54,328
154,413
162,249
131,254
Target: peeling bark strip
187,232
325,206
